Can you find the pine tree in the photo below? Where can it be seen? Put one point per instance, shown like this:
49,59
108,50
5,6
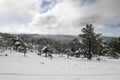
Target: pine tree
74,45
91,41
114,48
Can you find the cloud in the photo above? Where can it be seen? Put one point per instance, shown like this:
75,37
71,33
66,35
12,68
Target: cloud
16,11
58,16
47,5
107,11
62,16
14,28
71,13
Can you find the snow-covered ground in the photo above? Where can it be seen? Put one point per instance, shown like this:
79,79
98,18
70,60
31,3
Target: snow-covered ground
33,67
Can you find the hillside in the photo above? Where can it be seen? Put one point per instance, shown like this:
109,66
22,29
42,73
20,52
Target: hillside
68,38
63,38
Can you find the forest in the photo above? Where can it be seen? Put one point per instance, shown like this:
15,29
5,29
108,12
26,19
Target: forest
88,44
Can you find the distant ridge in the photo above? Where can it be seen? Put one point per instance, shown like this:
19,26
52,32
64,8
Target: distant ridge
63,38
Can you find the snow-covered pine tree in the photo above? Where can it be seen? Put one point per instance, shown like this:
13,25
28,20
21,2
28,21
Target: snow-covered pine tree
91,42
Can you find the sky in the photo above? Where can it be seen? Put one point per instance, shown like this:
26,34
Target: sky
59,16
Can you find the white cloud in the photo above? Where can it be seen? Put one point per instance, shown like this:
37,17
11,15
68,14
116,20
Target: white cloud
12,11
59,17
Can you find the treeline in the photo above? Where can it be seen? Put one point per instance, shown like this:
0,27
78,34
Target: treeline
88,44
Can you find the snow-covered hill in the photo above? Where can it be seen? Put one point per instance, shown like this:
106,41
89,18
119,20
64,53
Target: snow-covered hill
33,67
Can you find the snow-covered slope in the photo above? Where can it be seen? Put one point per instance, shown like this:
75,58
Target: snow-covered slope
33,67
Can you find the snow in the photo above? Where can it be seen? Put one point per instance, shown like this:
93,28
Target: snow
17,43
34,67
0,37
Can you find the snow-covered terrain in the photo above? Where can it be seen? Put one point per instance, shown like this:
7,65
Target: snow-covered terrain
33,67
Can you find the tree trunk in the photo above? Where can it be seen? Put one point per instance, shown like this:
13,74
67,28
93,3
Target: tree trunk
89,50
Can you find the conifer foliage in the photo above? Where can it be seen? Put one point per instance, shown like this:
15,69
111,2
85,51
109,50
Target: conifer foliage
92,42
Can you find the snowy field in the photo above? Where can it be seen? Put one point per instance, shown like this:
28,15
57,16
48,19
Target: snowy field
33,67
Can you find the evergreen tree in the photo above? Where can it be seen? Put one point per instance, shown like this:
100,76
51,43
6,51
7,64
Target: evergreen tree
114,47
91,41
74,45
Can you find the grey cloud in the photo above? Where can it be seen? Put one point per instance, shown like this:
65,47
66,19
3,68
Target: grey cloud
105,13
87,2
113,22
13,18
89,20
47,21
